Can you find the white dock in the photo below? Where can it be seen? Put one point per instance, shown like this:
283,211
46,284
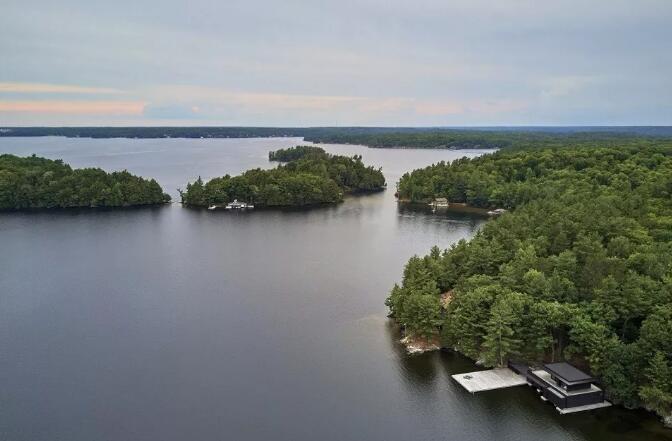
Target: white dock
584,408
489,380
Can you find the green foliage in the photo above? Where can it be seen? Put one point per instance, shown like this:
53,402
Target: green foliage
580,268
310,177
33,182
508,179
501,341
294,153
657,394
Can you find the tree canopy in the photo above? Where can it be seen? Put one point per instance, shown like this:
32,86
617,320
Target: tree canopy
580,268
33,182
309,176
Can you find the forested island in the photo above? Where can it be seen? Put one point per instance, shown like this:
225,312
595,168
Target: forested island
580,268
33,183
308,176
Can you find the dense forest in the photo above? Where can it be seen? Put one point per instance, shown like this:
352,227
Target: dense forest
33,182
294,153
309,176
503,180
579,269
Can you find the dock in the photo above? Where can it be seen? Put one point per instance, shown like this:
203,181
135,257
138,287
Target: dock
492,379
583,408
561,384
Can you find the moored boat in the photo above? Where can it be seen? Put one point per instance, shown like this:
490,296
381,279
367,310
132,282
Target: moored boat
235,205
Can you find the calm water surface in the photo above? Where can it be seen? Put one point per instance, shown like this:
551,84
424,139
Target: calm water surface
177,324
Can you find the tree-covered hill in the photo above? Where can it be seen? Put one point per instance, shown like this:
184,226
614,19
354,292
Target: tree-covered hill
294,153
580,269
33,182
506,180
309,176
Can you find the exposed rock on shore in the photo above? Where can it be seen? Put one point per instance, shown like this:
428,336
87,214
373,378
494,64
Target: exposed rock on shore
419,345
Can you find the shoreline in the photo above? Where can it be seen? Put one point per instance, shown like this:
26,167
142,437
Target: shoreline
455,207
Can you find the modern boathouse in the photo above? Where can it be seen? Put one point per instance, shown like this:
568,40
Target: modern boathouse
566,387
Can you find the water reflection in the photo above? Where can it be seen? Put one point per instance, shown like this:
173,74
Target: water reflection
507,412
169,323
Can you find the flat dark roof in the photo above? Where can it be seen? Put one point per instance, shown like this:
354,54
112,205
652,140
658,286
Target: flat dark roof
568,373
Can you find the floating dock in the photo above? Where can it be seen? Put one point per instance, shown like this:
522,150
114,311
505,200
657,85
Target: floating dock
492,379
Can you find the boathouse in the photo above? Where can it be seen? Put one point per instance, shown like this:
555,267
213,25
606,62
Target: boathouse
440,203
567,387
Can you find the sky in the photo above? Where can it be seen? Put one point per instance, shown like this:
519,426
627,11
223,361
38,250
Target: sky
335,63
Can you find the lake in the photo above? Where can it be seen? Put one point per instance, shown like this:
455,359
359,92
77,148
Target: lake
177,324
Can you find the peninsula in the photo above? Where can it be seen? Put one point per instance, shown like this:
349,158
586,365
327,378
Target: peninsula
579,269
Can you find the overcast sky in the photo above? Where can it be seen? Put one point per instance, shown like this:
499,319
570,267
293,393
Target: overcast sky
306,63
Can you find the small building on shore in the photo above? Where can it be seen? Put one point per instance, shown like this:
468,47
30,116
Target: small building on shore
439,203
567,387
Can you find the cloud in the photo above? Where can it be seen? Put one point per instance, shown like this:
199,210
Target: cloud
54,88
112,108
213,104
439,108
393,62
171,112
557,87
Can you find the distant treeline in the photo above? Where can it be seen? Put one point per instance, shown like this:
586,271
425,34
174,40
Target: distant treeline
33,182
479,139
383,137
151,132
579,269
310,176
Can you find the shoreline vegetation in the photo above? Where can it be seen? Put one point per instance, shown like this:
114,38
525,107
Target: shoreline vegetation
306,176
453,207
34,183
580,268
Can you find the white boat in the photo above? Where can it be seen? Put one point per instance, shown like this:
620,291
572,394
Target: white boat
212,207
496,212
235,205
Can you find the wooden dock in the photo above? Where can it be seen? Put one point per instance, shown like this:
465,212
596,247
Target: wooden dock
492,379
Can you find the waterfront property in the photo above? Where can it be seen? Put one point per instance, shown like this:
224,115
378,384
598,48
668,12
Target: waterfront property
566,387
439,203
489,380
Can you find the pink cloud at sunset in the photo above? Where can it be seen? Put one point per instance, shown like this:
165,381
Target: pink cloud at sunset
114,108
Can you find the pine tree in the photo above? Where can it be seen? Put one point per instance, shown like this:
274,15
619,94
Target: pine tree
501,340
